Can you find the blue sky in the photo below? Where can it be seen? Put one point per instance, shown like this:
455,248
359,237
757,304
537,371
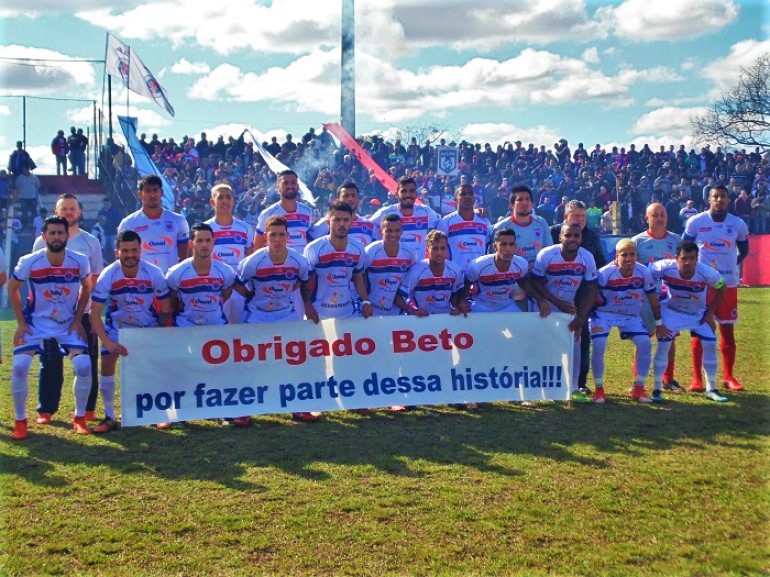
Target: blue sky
487,71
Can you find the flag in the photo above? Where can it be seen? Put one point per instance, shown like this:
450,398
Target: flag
277,166
122,62
362,156
448,161
142,161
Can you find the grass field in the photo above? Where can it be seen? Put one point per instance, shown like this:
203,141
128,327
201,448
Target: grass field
619,489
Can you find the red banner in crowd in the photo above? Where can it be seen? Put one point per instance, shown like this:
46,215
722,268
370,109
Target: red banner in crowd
362,156
756,267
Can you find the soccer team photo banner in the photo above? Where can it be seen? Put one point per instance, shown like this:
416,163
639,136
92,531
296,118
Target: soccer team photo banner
181,374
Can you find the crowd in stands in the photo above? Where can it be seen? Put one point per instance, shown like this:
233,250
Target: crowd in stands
597,176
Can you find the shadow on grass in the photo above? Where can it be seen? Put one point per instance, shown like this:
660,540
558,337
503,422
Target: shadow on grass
589,435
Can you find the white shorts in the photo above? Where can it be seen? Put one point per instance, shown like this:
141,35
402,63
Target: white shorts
600,325
676,321
34,342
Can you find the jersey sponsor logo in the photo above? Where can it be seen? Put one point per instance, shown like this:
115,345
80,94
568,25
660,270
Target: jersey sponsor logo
151,245
470,244
337,278
277,289
141,228
389,282
626,298
715,246
203,303
58,293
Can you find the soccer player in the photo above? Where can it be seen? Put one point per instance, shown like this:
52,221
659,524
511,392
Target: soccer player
388,264
335,261
135,295
200,285
468,234
233,241
655,244
575,211
436,285
494,277
687,307
59,291
361,230
165,234
723,242
624,285
565,276
416,220
532,232
268,279
51,375
298,215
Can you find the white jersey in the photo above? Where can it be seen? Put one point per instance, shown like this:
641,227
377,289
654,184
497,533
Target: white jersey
272,285
53,290
200,295
161,237
686,296
621,295
531,238
385,275
82,243
717,242
430,292
361,230
415,227
494,290
650,249
130,300
299,223
467,239
563,278
334,272
231,241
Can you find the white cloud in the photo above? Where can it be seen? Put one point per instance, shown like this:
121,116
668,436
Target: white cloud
651,20
33,71
724,73
591,55
184,66
666,120
500,133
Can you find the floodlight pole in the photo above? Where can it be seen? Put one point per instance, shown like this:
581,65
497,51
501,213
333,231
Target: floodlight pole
348,69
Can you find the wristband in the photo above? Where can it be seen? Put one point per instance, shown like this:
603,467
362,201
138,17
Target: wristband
659,323
366,303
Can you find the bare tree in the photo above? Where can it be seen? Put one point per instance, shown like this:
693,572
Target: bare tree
742,116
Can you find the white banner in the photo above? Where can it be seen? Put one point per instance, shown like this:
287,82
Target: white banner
447,161
180,374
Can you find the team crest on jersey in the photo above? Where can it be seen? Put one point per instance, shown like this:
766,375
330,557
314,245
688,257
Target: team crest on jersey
169,226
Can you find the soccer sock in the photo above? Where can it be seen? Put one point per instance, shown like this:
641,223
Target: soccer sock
82,384
643,345
697,355
728,348
660,362
597,360
710,363
668,376
107,389
20,384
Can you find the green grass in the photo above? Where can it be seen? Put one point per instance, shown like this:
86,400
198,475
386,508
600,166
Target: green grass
619,489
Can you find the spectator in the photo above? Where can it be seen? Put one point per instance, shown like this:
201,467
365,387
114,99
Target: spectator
18,160
28,186
60,148
742,206
688,211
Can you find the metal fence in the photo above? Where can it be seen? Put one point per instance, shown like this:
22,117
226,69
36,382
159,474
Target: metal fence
35,121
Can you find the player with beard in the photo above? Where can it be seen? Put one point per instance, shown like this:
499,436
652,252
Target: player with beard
298,215
565,276
51,374
135,294
361,230
723,240
59,288
416,220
